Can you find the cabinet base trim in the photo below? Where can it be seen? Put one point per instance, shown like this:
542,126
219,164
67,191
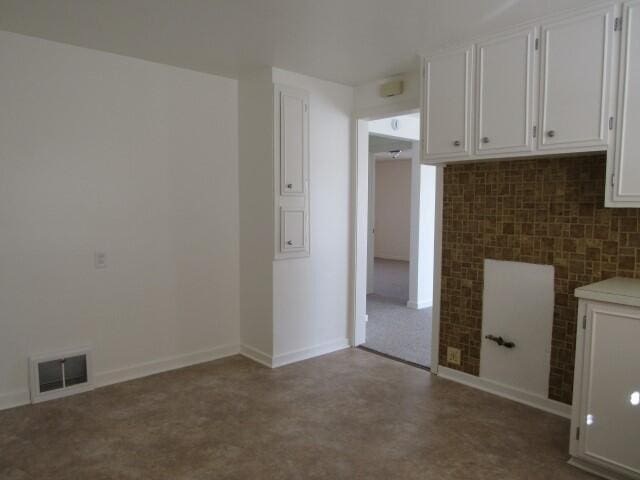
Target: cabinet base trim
596,469
505,391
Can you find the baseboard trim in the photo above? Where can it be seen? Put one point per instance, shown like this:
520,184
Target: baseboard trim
310,352
256,355
419,305
163,365
517,395
14,399
102,379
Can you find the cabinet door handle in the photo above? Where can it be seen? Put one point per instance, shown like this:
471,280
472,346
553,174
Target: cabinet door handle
289,186
551,133
289,242
485,139
456,143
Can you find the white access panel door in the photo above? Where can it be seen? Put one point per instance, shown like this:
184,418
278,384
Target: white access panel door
293,142
575,76
448,101
505,102
293,223
610,407
626,184
518,306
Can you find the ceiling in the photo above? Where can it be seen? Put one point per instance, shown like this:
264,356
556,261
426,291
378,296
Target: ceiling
347,41
380,146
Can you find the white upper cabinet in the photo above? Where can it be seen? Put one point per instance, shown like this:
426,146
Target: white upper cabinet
626,174
575,77
447,104
505,69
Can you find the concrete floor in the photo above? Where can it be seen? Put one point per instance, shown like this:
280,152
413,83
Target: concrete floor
347,415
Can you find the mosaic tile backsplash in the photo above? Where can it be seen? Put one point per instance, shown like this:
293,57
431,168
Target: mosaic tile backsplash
546,211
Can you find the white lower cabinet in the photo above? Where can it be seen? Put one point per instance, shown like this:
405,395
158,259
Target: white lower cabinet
605,433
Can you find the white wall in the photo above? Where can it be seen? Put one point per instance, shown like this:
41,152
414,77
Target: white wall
256,211
369,103
312,295
393,209
102,152
423,215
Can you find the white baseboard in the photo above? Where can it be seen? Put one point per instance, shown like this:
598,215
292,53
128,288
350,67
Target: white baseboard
14,399
419,305
505,391
102,379
256,355
310,352
163,365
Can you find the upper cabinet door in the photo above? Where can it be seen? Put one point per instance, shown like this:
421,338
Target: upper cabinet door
505,103
294,150
576,57
626,179
447,104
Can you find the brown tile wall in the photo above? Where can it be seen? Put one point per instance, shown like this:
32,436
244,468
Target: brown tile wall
546,211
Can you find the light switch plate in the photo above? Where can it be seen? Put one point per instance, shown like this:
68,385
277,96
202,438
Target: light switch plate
453,355
100,260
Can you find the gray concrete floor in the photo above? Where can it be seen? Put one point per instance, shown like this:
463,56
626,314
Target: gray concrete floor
347,415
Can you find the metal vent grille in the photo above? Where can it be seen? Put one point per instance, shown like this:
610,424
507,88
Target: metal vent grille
59,375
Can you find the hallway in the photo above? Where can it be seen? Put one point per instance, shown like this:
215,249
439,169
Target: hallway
394,329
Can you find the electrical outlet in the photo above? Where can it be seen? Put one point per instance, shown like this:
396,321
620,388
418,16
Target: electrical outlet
453,355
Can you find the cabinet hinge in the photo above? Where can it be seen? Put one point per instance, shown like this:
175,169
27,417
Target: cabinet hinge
577,433
537,44
610,123
584,322
617,24
535,131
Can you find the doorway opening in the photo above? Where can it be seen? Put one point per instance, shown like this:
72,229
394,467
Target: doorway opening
400,205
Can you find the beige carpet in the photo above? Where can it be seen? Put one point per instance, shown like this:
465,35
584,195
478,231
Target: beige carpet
394,329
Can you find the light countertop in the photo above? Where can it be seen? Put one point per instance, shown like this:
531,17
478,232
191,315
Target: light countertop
623,291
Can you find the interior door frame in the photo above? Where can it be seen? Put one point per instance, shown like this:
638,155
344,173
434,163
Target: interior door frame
360,233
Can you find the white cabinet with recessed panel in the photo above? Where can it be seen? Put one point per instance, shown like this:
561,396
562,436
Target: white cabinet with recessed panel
291,172
625,169
575,77
561,85
505,93
606,394
448,100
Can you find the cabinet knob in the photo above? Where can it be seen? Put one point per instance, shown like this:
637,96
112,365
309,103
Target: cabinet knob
456,143
551,133
289,242
485,139
289,186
